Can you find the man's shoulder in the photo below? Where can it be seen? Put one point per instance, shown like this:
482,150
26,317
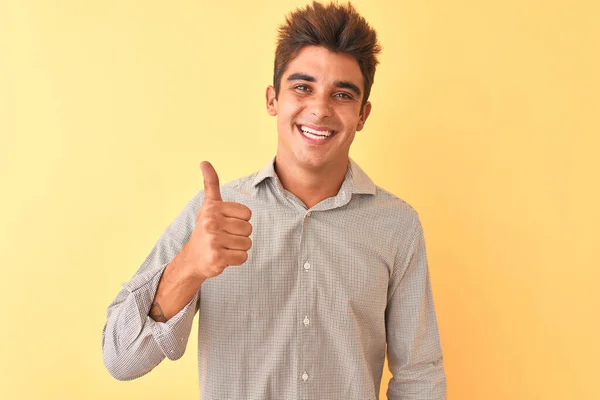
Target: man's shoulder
378,197
393,208
386,198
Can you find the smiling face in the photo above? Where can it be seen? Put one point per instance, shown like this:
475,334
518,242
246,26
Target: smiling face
318,108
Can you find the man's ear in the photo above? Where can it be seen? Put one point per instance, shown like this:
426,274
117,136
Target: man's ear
363,116
272,105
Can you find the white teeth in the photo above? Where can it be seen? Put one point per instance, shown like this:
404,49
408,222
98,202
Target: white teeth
310,135
314,132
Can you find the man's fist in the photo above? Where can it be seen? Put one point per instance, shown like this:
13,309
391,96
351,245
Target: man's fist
221,236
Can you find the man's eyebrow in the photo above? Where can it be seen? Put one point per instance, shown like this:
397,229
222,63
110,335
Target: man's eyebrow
301,77
348,85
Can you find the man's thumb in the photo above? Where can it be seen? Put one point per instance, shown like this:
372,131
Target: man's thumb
211,182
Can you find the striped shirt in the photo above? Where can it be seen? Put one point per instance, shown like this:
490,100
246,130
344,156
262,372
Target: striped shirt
310,313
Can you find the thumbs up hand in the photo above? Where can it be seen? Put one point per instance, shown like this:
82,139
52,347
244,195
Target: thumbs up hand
221,236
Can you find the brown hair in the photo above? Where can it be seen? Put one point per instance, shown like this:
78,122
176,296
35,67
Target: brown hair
338,28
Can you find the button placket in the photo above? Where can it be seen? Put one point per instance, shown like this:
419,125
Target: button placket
306,291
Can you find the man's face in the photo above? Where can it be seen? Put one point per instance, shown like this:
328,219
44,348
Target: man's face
318,108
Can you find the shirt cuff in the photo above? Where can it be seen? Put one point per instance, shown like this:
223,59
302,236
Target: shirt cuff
142,288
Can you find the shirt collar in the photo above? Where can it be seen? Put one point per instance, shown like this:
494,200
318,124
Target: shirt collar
356,178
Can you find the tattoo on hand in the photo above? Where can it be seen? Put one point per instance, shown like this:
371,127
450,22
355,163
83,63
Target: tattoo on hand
156,313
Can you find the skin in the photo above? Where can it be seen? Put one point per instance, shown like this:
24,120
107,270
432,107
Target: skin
313,96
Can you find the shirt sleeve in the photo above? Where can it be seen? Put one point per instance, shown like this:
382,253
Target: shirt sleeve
414,351
132,342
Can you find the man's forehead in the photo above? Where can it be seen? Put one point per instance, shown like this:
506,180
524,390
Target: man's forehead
323,65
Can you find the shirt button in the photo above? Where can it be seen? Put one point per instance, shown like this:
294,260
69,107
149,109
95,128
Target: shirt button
306,266
308,213
304,376
306,321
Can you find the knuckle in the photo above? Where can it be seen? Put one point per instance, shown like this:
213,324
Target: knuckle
210,207
244,212
209,223
205,207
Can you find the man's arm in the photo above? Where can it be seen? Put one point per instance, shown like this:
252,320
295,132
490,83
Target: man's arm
177,287
414,351
152,316
132,342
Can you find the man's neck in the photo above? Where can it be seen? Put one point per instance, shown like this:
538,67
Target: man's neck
310,185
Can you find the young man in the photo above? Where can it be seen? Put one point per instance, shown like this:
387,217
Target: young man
303,272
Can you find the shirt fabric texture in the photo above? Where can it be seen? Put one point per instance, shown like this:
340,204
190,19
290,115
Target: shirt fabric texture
309,315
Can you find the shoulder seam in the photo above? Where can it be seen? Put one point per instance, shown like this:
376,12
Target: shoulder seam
395,197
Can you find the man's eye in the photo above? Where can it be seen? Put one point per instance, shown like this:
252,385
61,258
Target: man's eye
302,88
343,95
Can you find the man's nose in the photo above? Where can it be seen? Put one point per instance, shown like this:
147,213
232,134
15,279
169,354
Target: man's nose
320,106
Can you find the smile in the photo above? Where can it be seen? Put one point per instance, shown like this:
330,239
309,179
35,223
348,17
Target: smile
315,134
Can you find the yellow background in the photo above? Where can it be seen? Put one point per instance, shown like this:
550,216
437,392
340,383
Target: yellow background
485,119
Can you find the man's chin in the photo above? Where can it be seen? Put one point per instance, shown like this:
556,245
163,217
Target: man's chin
313,162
